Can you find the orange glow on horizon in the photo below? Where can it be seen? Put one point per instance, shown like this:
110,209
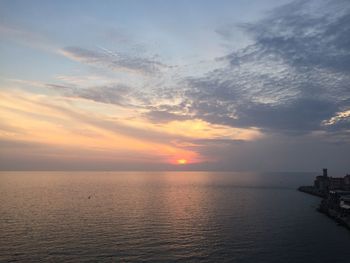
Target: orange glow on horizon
82,129
64,130
182,161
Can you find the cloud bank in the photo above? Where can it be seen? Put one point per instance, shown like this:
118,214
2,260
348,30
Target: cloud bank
292,79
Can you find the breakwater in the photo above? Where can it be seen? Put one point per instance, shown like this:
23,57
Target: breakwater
311,190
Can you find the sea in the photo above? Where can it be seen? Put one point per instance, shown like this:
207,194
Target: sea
165,217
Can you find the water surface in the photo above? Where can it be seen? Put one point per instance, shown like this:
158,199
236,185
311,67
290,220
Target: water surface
164,216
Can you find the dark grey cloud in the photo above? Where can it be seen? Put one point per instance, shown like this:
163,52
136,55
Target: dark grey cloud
293,78
301,115
307,39
114,60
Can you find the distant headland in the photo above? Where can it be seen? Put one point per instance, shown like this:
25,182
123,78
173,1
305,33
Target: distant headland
335,192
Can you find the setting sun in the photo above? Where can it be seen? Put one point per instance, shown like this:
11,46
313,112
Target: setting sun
181,161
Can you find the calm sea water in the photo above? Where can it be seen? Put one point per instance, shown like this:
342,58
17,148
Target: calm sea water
164,217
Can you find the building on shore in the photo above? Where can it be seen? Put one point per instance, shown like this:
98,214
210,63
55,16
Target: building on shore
335,193
337,205
345,202
325,183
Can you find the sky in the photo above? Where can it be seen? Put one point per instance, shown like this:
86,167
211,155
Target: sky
241,85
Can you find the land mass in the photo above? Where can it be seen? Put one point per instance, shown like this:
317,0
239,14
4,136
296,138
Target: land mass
335,194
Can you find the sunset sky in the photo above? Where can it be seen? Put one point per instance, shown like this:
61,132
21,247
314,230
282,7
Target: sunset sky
152,85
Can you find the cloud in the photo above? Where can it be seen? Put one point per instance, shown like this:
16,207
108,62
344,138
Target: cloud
340,121
279,153
301,115
113,60
293,77
164,116
59,126
116,94
307,39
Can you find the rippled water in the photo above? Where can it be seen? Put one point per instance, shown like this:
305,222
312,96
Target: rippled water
164,216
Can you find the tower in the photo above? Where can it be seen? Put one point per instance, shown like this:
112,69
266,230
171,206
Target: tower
325,172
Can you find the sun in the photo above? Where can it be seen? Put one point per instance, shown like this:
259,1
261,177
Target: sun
181,161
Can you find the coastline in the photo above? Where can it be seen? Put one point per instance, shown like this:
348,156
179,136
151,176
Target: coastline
311,190
327,207
333,214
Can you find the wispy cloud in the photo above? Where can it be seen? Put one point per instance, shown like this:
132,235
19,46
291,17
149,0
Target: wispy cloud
113,60
59,124
116,94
